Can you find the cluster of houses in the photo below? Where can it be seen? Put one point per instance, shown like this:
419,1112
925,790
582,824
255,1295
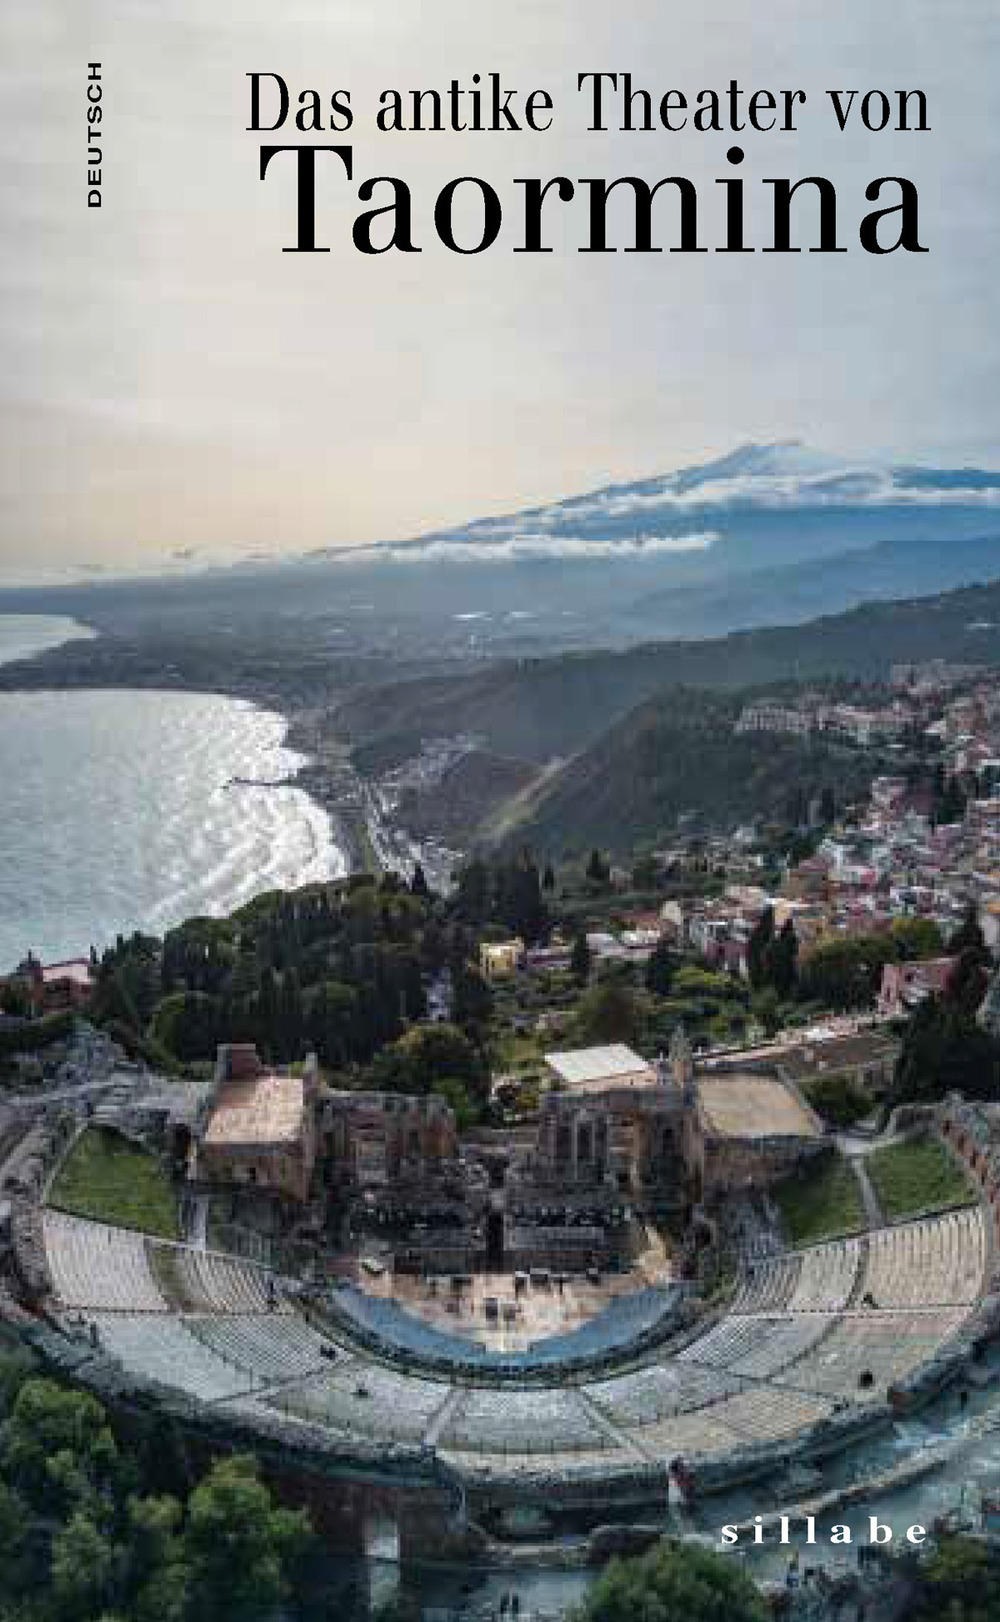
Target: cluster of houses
913,702
861,724
51,988
894,861
631,943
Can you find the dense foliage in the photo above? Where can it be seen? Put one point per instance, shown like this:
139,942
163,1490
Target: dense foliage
670,1581
508,893
959,1582
338,968
95,1527
845,973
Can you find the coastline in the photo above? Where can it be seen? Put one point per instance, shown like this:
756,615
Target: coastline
324,842
303,692
96,662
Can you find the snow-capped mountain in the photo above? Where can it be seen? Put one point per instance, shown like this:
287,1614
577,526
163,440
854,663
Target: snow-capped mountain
759,506
766,534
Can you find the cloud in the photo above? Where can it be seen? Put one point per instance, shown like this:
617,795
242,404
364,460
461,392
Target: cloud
686,493
525,546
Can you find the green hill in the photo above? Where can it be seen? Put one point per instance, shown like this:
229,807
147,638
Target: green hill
673,755
535,709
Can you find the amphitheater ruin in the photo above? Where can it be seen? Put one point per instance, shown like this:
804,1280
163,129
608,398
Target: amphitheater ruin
667,1395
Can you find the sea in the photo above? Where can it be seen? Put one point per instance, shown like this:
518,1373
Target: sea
126,810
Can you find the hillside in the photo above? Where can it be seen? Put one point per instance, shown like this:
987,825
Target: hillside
537,708
456,804
928,564
675,756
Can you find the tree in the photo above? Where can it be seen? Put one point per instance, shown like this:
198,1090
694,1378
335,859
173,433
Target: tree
608,1013
781,960
456,1094
944,1051
85,1570
846,973
416,1062
15,1540
240,1548
660,969
966,984
827,808
472,1004
189,1024
958,1582
839,1099
288,1031
15,999
915,938
58,1446
519,900
598,870
969,938
765,1010
580,959
474,893
156,1573
644,873
670,1581
949,799
331,1013
758,947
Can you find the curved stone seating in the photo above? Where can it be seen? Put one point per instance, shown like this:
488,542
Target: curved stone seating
162,1349
651,1394
938,1261
211,1282
392,1408
755,1347
272,1348
762,1376
97,1268
819,1279
486,1467
827,1277
700,1432
522,1422
768,1286
766,1415
887,1345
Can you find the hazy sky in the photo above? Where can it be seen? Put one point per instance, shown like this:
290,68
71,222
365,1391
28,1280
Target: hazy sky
172,383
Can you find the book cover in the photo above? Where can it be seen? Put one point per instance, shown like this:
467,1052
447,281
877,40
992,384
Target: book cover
500,832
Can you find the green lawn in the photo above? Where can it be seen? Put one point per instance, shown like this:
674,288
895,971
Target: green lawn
110,1180
520,1050
918,1175
822,1203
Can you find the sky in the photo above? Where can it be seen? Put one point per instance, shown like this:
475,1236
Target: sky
174,389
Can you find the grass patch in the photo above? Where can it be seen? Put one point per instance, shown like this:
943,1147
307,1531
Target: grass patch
916,1175
821,1203
840,1100
111,1180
